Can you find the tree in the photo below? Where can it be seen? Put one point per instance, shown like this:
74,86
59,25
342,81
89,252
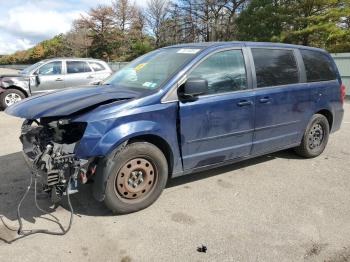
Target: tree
319,23
78,40
262,20
100,25
156,14
122,31
124,13
37,53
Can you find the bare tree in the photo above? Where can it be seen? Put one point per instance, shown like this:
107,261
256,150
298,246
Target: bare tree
99,20
138,23
156,13
78,40
124,12
210,20
100,24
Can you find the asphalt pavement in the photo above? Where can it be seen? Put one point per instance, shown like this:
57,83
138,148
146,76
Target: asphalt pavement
277,207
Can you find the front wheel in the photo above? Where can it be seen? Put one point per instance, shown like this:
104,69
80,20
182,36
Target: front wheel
10,97
315,137
137,177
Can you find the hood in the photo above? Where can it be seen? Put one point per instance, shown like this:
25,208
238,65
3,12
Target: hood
69,101
13,75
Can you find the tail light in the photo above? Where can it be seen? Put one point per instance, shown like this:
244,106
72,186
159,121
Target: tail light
342,93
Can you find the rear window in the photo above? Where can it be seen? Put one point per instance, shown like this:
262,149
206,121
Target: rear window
318,66
97,66
74,67
275,67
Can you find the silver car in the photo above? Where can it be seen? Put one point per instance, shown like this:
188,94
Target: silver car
50,75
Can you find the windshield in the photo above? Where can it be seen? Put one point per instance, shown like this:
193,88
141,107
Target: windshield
153,69
28,69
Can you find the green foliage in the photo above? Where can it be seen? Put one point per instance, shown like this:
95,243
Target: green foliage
318,23
262,20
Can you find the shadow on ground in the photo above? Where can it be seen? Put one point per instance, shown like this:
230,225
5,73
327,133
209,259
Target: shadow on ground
15,178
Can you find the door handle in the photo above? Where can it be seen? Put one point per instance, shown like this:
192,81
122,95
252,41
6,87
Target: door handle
59,79
264,100
244,103
90,76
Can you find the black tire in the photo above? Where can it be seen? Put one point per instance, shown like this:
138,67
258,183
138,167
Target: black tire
117,163
315,137
6,93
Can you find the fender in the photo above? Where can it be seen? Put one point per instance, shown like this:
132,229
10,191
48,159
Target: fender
95,145
126,131
25,92
16,83
115,140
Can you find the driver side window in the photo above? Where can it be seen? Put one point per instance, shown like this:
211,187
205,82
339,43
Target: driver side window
53,68
225,72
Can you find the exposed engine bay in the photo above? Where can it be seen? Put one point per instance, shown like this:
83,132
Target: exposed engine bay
48,146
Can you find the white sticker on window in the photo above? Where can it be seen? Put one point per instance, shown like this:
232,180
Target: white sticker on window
188,51
147,84
150,85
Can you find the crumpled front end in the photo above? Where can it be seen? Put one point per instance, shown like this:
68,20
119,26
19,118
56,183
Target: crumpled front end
23,82
48,147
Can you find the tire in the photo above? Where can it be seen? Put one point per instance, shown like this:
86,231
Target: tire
124,167
315,137
13,94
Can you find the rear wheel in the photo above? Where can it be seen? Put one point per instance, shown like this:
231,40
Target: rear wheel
315,137
10,97
138,176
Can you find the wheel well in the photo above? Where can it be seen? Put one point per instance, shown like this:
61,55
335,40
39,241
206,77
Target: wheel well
19,89
161,144
328,115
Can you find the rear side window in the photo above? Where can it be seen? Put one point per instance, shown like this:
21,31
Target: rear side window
275,67
74,67
97,66
318,66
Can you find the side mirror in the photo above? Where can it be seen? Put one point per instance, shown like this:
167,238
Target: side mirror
194,87
37,79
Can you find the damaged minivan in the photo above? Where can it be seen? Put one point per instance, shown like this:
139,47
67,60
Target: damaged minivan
179,110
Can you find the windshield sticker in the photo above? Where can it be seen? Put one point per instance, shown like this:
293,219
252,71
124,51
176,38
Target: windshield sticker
139,67
188,51
149,85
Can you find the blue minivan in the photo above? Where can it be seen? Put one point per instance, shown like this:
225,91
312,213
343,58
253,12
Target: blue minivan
179,110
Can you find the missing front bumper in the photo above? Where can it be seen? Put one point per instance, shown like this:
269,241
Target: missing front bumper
55,164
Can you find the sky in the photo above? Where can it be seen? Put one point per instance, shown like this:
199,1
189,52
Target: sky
24,23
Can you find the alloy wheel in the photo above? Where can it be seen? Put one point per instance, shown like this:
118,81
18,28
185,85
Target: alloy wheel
12,98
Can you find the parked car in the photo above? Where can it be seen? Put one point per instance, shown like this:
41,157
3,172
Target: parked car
49,75
180,110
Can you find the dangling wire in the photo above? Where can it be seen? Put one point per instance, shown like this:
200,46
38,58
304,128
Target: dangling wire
25,233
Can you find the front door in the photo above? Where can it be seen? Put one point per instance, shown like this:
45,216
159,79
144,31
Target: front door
218,125
50,78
